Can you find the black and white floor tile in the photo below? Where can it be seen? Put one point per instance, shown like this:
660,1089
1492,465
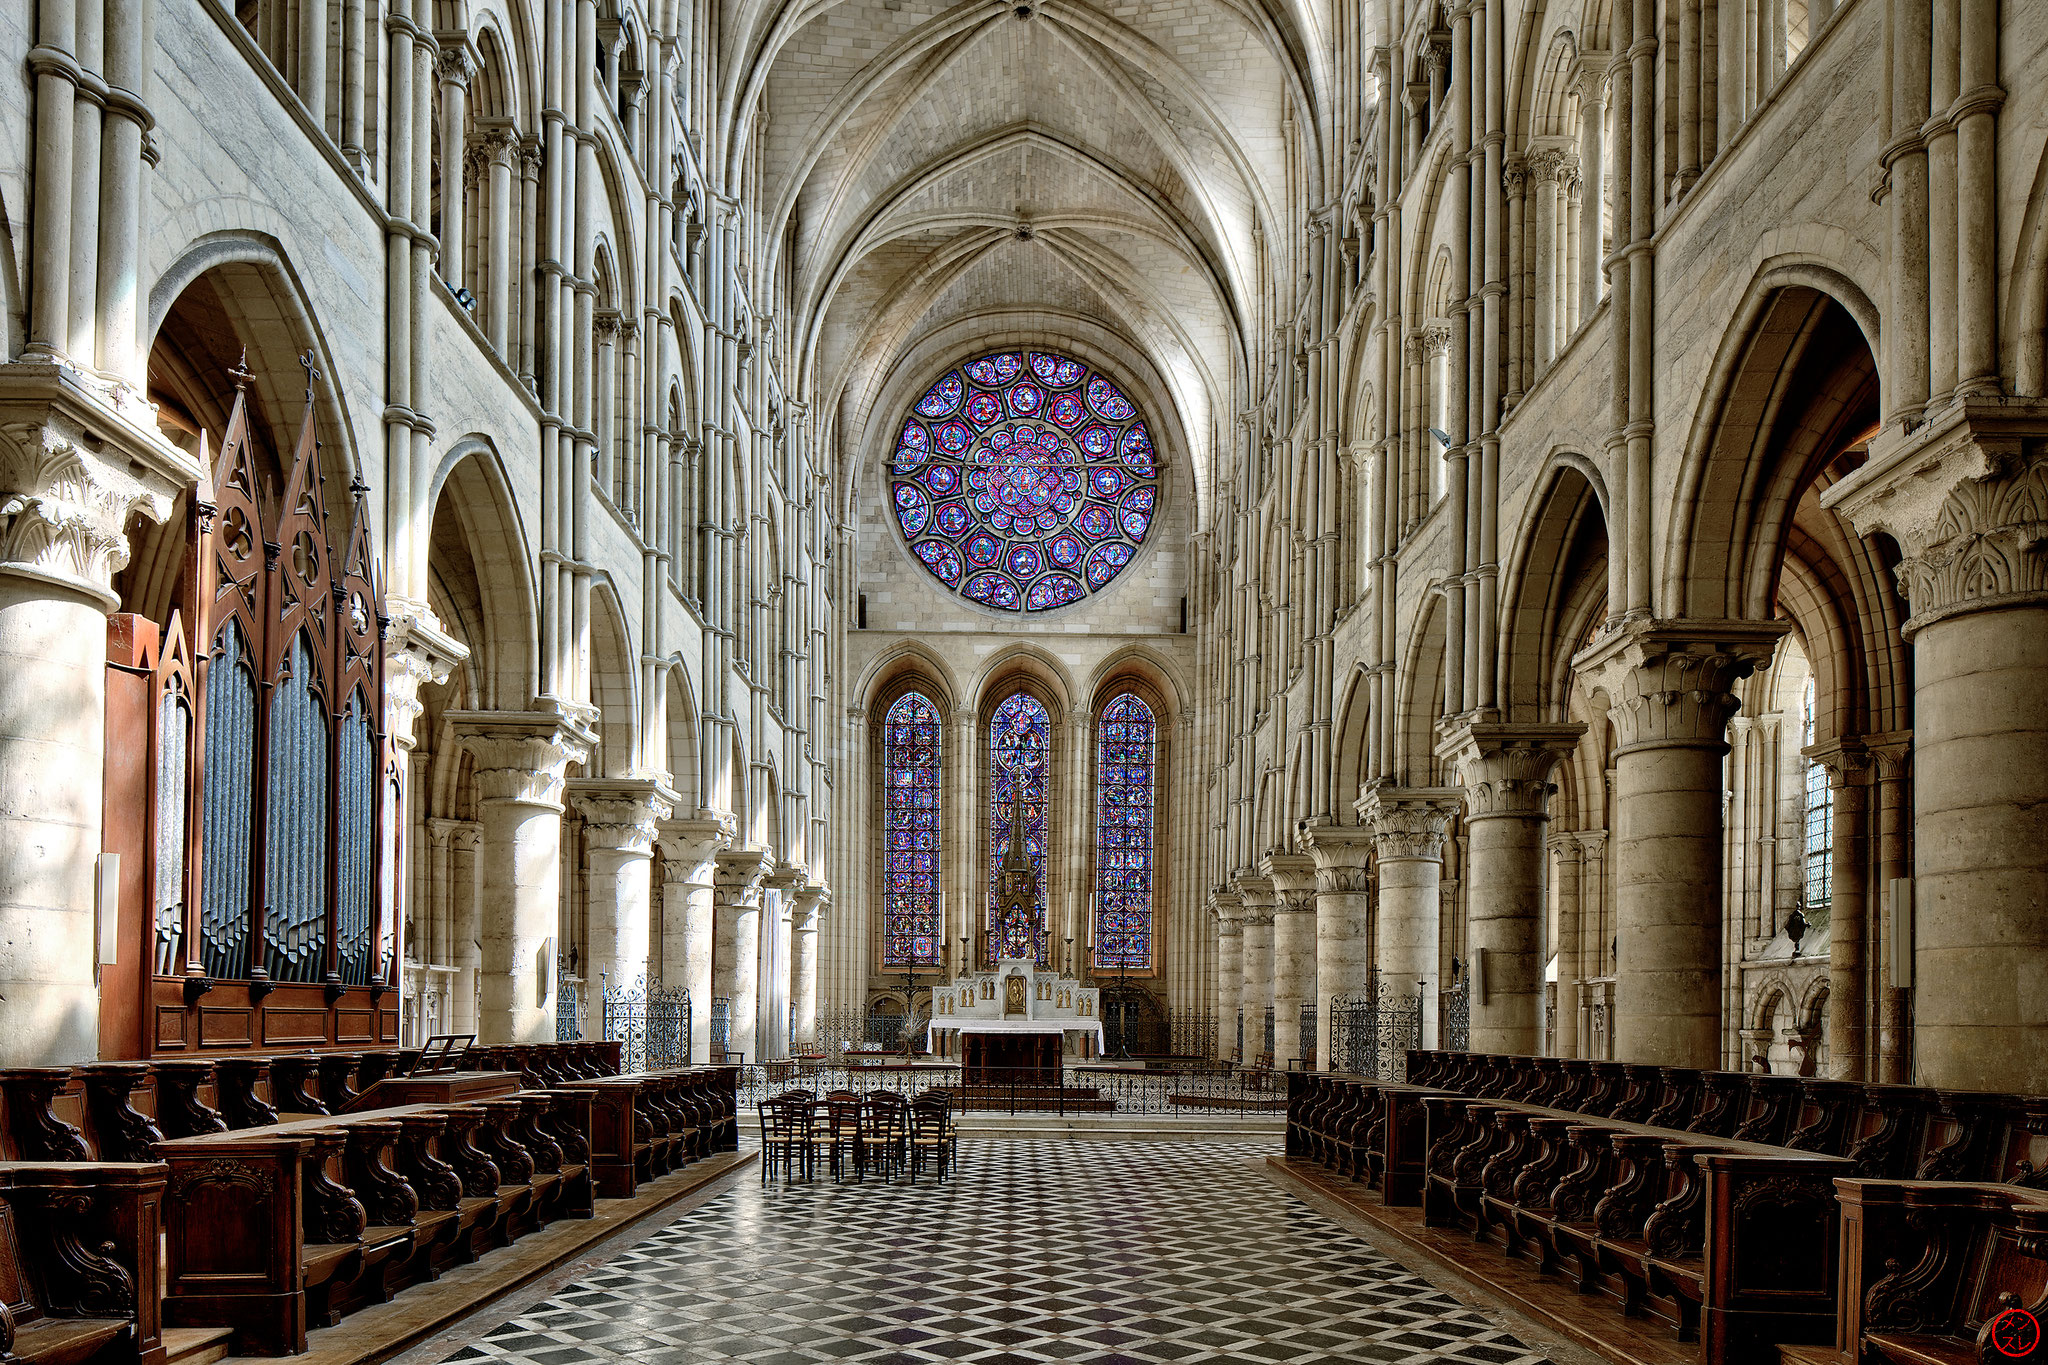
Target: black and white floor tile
1159,1253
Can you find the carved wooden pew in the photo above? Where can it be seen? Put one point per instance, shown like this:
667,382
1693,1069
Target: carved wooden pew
1727,1242
274,1229
1928,1270
78,1262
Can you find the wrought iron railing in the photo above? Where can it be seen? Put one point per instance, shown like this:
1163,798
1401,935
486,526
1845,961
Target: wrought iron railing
884,1030
721,1023
1308,1035
1237,1050
1454,1018
1266,1048
568,1007
1186,1089
1371,1034
651,1022
1191,1034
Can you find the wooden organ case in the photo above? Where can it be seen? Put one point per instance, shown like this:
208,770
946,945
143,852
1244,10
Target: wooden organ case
252,799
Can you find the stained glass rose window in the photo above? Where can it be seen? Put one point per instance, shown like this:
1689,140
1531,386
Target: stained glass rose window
1024,480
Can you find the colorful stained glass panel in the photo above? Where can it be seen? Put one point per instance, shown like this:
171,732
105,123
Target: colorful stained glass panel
1052,459
1126,757
910,833
1020,747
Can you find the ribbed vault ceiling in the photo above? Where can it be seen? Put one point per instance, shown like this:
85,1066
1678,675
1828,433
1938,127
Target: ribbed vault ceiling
1089,174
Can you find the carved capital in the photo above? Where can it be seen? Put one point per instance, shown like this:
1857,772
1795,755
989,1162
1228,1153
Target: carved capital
1436,339
416,652
807,907
1259,898
688,846
1667,682
622,815
74,466
1342,855
1514,175
1553,165
1228,908
522,756
1294,880
1505,769
1890,753
1410,822
454,67
1966,497
740,871
1846,760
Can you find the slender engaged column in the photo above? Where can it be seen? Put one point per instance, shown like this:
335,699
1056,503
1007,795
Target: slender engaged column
736,951
1343,924
1891,755
1848,945
1409,825
1506,773
66,502
1294,951
1964,499
689,851
1229,912
465,843
1257,996
1564,1036
455,159
619,827
520,759
1667,687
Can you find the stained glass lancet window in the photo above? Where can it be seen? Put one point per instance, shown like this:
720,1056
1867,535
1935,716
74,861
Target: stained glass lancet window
1024,480
1127,747
1818,882
1020,745
910,833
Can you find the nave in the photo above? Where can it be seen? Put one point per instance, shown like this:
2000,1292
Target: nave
1083,1251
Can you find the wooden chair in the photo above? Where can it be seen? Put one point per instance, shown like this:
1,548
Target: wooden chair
929,1137
839,1143
884,1134
781,1147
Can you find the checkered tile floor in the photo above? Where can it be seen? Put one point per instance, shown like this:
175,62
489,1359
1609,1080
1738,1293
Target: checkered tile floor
1160,1253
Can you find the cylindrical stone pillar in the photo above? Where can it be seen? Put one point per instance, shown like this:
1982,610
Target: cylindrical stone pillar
1294,953
806,905
1256,997
620,820
1669,698
1409,825
1343,926
1229,974
736,949
465,924
1564,1037
1848,943
520,759
688,868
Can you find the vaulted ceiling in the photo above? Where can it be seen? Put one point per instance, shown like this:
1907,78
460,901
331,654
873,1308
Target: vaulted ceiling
1114,177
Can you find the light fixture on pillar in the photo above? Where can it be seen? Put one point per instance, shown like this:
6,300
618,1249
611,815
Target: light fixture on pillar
1795,929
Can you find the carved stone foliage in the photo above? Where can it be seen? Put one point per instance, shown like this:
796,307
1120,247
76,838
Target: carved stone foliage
1410,822
416,652
1506,769
1341,854
522,756
63,507
689,846
1668,682
624,816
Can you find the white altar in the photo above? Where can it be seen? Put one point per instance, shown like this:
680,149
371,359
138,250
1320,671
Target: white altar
1017,997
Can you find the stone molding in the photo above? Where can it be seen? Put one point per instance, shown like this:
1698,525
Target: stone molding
1410,822
1667,682
416,652
1505,769
1967,501
1342,854
689,845
75,464
623,815
521,757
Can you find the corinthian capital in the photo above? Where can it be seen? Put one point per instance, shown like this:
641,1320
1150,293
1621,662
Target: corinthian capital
740,871
1409,822
522,756
1341,854
416,652
689,846
74,466
1294,880
1667,682
1505,769
622,814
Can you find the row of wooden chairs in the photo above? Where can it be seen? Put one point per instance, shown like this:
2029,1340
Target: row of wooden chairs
880,1133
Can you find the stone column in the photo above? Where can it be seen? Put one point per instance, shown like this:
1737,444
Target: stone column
520,758
736,946
1257,993
1408,826
454,74
620,818
807,906
1506,771
1848,908
71,474
1294,949
1592,147
465,843
1966,497
689,850
1890,756
500,145
1667,685
1343,923
1564,1039
1229,912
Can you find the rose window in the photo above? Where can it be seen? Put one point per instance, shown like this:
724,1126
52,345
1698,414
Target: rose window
1024,481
